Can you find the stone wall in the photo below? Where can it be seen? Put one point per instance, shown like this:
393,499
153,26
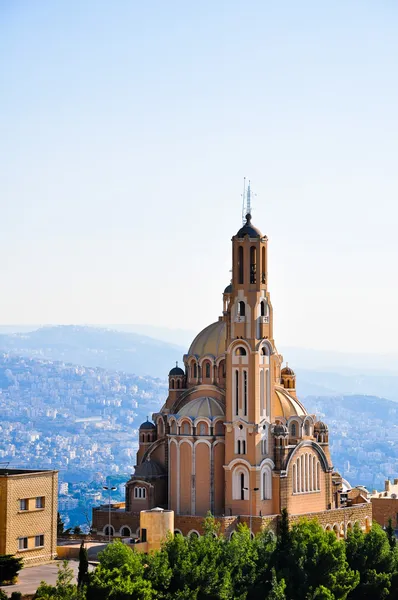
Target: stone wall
384,509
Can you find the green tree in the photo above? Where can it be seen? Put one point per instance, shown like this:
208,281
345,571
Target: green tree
316,560
370,554
277,591
64,588
82,577
77,530
60,525
10,566
123,583
117,554
392,540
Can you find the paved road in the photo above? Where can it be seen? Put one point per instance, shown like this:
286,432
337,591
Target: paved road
29,578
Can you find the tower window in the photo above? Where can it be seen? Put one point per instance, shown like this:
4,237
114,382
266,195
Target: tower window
241,309
242,486
172,384
207,370
238,446
262,308
245,392
236,392
178,384
240,264
243,446
240,351
195,371
293,430
253,264
263,265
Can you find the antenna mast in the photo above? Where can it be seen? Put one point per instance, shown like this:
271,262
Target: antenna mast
246,201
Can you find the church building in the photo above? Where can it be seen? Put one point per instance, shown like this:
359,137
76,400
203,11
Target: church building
232,437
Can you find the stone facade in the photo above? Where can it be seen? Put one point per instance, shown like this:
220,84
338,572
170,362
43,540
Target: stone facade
338,520
28,514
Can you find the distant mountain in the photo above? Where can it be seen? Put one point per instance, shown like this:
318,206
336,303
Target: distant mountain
96,347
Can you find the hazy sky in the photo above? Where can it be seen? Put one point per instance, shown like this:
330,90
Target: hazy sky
126,129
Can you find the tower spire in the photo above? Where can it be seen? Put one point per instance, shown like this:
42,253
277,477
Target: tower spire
246,201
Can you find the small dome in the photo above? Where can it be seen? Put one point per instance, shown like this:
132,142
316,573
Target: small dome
321,426
287,371
228,289
149,469
202,407
148,425
210,340
249,229
280,429
176,371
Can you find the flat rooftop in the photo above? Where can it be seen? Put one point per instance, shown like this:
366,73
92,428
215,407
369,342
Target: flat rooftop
7,472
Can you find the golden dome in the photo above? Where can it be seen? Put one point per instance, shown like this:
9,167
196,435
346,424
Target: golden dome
287,406
210,341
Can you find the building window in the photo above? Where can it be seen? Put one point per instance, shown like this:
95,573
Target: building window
195,371
22,543
245,393
293,430
202,429
240,351
207,370
262,308
266,483
243,446
306,428
143,535
23,505
236,392
241,309
186,429
39,541
306,474
172,384
125,532
242,486
140,493
253,264
240,264
40,502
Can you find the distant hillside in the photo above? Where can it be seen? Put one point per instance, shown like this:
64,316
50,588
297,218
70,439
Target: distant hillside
96,347
363,436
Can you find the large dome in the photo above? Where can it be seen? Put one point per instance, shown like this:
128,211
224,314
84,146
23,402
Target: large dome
202,407
210,341
287,406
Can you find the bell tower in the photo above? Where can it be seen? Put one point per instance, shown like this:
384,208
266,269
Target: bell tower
252,368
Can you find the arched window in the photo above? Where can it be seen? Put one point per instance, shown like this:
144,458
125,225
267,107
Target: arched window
245,393
207,370
140,493
293,430
240,483
263,266
125,532
240,264
295,478
239,447
253,264
195,370
243,446
262,308
237,392
172,384
266,483
186,428
202,429
109,530
219,428
240,351
306,428
241,308
173,428
242,486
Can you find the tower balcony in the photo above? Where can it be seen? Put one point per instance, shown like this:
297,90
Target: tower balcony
240,319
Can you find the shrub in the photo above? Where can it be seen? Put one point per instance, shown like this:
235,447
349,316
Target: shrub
3,595
16,596
9,568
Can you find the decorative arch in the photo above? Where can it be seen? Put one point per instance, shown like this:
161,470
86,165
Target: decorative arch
314,446
240,480
266,344
266,481
193,532
177,532
109,530
125,531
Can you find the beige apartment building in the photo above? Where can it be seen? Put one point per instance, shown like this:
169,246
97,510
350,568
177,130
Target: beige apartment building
28,514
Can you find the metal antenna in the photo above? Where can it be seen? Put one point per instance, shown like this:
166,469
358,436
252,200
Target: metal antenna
244,202
248,203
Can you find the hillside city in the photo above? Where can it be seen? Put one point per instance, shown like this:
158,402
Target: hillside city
84,422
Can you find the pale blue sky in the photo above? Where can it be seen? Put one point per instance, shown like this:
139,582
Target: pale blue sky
126,129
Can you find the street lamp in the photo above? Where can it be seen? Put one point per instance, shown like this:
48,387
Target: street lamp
110,490
250,505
